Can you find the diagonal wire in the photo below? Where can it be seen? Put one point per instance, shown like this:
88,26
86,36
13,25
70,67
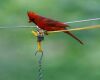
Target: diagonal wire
71,22
94,19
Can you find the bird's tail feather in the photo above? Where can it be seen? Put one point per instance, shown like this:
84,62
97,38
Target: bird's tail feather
69,33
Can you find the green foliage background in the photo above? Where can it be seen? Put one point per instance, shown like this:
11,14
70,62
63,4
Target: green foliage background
64,58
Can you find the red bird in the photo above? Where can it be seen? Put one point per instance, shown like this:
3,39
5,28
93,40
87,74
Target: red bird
49,24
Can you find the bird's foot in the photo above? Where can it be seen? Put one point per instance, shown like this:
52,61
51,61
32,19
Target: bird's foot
46,32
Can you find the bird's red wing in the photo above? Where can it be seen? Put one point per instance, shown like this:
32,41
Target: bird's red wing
54,23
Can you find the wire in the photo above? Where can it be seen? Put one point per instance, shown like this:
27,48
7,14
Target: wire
19,27
87,20
94,19
40,71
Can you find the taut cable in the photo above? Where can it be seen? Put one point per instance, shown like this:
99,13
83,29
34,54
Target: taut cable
94,19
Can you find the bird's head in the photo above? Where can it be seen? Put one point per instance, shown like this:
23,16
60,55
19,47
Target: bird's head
31,16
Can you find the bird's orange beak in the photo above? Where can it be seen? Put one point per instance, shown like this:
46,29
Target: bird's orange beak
29,21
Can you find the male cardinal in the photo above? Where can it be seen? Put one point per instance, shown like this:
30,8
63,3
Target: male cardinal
49,24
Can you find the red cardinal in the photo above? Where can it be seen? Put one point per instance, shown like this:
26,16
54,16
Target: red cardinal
49,24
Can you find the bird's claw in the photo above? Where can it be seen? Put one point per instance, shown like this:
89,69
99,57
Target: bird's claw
46,32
